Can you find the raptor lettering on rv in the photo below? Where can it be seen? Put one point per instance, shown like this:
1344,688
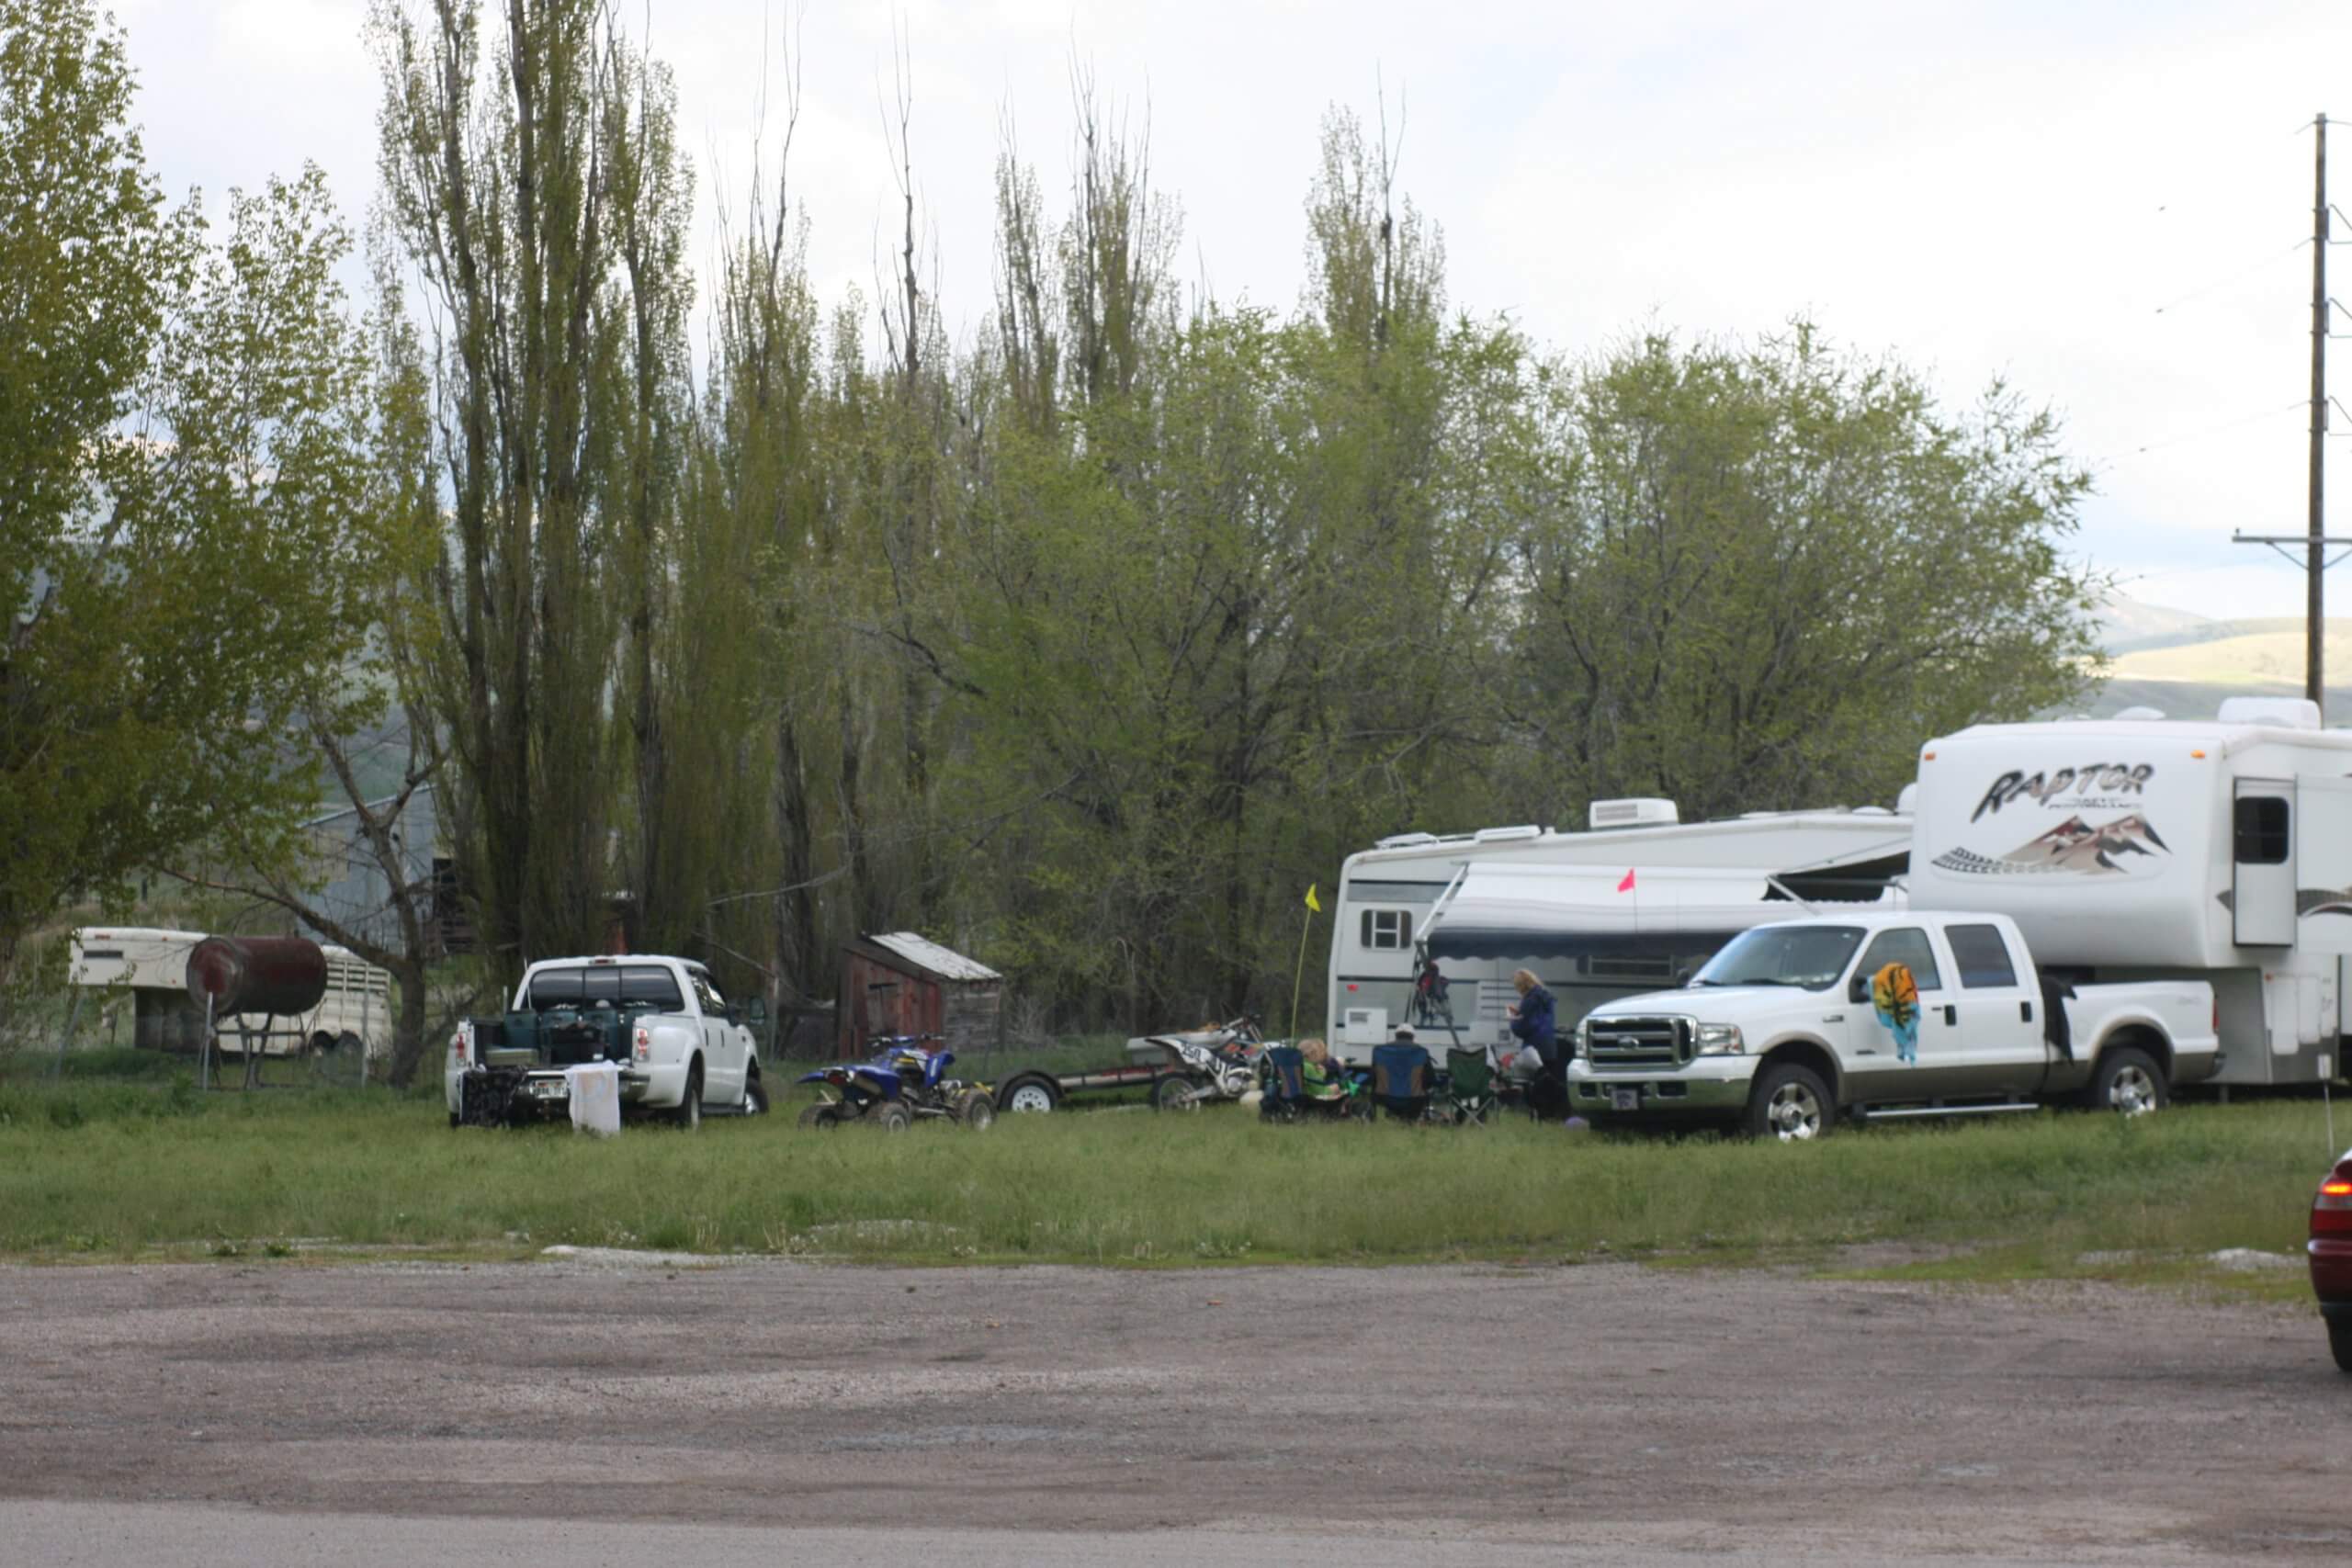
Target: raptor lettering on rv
2106,778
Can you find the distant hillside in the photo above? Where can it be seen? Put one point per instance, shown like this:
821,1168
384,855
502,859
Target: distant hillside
2126,624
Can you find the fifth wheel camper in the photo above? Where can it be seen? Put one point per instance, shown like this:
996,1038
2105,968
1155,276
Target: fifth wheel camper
2131,849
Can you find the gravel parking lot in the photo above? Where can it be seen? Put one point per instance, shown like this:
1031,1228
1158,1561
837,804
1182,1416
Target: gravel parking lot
1624,1413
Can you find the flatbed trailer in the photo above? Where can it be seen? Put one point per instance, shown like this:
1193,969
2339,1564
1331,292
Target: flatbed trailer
1046,1091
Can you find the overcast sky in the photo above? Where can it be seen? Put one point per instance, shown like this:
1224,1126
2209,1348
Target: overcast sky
2100,201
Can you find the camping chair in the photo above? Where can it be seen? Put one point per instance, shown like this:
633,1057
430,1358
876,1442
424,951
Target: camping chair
1469,1086
1282,1092
1400,1080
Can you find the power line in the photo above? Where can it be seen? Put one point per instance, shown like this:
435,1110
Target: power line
2242,420
2272,259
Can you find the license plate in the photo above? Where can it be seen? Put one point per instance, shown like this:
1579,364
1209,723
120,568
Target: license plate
549,1090
1625,1100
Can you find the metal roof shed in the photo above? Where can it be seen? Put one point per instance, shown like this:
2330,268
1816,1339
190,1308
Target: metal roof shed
901,983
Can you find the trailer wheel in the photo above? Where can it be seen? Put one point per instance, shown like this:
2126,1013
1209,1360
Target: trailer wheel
1790,1103
824,1115
891,1116
1031,1093
1178,1091
2129,1082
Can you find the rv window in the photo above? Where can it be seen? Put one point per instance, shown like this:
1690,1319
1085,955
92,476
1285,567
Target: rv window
1387,929
1908,947
1983,956
2261,830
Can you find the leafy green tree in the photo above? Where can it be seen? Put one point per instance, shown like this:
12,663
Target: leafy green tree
175,460
539,196
1757,578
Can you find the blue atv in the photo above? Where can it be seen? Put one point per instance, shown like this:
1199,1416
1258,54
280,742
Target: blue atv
905,1078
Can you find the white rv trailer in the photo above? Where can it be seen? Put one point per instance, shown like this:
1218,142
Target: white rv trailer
152,966
1615,911
2216,850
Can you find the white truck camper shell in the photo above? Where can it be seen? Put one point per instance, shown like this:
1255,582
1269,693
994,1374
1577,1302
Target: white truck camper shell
2146,849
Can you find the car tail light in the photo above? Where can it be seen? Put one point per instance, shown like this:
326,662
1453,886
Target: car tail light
644,1042
459,1041
2332,1209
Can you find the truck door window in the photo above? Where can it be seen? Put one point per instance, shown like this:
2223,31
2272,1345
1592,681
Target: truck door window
2261,829
1908,946
1983,956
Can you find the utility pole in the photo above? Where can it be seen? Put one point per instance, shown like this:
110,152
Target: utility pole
2313,541
2316,551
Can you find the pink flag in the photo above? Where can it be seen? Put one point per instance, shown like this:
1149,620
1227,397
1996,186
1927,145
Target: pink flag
1626,885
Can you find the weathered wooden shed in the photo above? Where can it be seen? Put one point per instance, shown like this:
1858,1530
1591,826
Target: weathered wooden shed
899,983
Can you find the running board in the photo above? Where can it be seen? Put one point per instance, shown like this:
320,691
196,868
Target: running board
1869,1115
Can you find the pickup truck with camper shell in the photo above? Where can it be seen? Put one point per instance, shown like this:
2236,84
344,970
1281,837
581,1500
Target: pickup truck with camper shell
680,1048
1885,1013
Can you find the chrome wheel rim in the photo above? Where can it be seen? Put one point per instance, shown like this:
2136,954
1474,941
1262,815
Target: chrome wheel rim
2133,1092
1794,1113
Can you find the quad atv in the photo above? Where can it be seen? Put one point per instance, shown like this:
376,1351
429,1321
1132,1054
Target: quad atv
903,1080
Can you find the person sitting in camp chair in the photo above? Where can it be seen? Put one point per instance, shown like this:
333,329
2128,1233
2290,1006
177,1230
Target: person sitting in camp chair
1400,1078
1318,1075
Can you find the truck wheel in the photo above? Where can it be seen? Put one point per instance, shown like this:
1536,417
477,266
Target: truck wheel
455,1120
2339,1344
755,1097
1178,1091
824,1115
890,1116
975,1110
1790,1103
2127,1081
1031,1093
688,1116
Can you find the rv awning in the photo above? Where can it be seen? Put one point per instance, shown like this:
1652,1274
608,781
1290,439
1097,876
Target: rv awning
1526,911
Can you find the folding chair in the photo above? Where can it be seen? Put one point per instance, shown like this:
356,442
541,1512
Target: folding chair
1400,1080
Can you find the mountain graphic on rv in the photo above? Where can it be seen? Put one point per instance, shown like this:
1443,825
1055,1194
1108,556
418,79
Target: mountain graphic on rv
2075,845
2083,848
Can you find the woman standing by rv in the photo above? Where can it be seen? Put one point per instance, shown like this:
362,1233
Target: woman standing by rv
1532,1021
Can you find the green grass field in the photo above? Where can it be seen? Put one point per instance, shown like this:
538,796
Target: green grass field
120,1166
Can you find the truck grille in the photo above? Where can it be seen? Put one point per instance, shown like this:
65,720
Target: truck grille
1640,1041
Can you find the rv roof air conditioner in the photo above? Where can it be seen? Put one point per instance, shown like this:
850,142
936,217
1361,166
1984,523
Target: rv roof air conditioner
1907,803
1639,813
2283,712
1404,840
2141,713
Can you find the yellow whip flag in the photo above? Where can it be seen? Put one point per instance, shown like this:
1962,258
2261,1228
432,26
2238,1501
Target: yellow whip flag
1314,907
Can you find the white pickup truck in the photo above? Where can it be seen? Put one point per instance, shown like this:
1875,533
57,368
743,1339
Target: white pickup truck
1780,1032
681,1048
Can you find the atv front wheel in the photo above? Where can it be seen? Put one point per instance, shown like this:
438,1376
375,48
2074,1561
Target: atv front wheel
892,1117
975,1110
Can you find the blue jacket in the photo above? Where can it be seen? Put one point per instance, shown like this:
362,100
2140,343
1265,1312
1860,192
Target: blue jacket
1533,1025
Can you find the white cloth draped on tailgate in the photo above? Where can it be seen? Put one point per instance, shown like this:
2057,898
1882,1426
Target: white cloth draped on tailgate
596,1096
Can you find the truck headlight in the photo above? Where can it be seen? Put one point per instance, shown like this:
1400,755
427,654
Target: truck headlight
1720,1040
1584,1035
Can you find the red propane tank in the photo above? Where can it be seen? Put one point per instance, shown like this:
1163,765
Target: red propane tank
281,976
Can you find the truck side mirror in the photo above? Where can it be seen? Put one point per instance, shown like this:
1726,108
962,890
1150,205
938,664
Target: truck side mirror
735,1014
1858,989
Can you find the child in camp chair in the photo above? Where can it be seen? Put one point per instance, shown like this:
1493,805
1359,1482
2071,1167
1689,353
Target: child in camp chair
1318,1075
